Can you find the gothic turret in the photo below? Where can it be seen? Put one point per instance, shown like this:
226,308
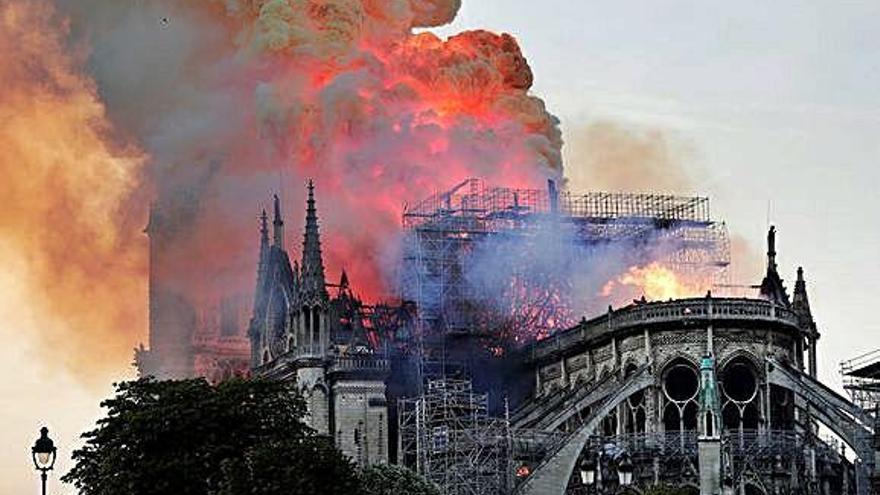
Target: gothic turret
313,283
772,287
800,304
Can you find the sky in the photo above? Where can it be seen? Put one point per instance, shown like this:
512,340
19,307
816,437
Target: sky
775,105
769,108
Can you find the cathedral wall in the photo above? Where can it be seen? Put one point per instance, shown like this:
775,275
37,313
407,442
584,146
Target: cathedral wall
311,382
361,420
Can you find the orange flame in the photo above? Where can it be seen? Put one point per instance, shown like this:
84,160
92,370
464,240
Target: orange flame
655,282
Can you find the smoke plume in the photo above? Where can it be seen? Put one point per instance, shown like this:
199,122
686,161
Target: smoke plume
70,191
612,156
207,108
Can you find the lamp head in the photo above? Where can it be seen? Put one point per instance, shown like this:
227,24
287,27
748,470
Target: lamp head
44,451
625,470
588,470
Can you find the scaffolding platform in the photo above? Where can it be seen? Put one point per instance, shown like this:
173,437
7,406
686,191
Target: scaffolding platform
447,435
861,379
443,232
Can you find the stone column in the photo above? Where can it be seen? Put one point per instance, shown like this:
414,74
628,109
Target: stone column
709,458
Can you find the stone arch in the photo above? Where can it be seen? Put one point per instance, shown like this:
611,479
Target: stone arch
676,356
551,476
751,484
841,416
679,387
754,360
634,410
741,382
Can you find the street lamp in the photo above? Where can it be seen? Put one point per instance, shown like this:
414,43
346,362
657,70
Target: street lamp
43,453
588,470
625,470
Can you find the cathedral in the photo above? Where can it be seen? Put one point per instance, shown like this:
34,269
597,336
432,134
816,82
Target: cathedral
715,395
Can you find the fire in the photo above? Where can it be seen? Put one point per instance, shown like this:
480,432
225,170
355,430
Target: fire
655,282
347,93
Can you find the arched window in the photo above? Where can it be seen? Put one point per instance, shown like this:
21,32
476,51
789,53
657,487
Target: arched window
740,387
307,327
316,321
681,384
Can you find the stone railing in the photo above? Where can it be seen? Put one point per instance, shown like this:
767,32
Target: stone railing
359,363
227,343
681,311
756,444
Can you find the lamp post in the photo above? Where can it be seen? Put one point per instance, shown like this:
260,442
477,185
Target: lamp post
593,473
588,470
624,470
43,453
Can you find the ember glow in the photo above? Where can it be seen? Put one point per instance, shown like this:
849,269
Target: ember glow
655,282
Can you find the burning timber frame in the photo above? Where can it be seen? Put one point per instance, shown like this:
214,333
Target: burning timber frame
443,229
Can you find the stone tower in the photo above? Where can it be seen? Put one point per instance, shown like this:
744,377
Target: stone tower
310,318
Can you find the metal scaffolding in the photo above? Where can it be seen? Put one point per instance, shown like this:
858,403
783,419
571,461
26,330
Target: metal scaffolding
443,231
861,379
448,436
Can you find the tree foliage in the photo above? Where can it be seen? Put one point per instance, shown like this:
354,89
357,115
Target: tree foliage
384,479
191,438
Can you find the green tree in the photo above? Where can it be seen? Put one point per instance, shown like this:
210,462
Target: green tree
385,479
191,438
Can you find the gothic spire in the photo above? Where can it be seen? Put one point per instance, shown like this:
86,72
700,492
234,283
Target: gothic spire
313,283
278,224
264,231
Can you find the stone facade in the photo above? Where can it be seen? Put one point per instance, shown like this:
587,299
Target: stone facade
190,334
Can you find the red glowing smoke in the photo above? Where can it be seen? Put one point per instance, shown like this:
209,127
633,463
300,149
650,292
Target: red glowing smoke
344,92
